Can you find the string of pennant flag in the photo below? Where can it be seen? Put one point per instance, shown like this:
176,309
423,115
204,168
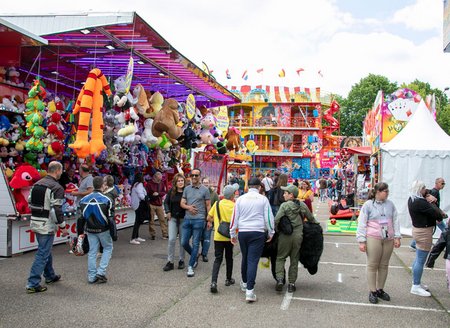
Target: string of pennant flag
281,74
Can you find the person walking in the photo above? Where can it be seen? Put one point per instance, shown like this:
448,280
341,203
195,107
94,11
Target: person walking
439,184
442,243
156,190
221,211
205,239
45,201
289,245
252,217
268,183
378,233
196,202
110,190
276,197
175,217
305,194
423,217
86,183
96,220
140,206
322,189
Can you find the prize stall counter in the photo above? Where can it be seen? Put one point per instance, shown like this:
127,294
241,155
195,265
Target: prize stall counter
15,234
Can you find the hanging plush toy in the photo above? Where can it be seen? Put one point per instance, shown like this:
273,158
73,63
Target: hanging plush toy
156,100
167,120
90,102
22,180
140,100
33,116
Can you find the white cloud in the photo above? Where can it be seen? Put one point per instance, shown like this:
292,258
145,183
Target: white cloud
422,16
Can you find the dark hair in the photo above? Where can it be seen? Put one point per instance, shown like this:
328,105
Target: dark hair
380,186
84,168
98,183
197,169
174,183
138,178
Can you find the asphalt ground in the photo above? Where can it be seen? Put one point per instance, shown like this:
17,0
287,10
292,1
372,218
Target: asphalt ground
140,294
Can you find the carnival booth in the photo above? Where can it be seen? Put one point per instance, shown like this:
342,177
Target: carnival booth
354,183
103,89
420,151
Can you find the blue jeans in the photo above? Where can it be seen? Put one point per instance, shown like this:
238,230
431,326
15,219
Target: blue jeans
192,228
95,240
323,194
417,267
441,225
275,209
43,261
252,245
206,240
174,230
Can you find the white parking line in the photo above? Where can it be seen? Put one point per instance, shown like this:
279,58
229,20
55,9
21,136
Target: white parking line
334,243
286,301
411,308
363,265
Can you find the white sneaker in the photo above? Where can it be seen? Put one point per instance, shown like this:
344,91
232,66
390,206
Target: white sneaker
134,242
190,272
243,286
418,290
250,296
140,239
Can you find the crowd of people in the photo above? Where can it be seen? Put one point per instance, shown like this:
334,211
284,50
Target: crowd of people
191,211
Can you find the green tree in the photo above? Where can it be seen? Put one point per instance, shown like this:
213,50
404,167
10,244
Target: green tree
359,100
442,105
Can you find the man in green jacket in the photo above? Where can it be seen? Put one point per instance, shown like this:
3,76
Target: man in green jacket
289,245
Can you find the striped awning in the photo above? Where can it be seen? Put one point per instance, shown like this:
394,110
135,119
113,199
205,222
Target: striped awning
275,94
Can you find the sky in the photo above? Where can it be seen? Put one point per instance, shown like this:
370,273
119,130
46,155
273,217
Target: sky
343,39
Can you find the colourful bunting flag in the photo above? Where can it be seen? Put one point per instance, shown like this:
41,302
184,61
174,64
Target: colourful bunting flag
260,70
245,75
282,73
228,74
299,71
320,73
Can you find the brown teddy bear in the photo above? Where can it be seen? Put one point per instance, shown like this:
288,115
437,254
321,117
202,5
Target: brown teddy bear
167,119
233,139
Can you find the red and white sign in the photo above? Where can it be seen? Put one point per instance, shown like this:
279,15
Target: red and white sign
23,239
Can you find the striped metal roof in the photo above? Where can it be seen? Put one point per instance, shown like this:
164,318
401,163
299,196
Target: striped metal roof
158,65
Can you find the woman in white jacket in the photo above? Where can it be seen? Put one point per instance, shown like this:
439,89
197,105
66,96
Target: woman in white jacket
140,206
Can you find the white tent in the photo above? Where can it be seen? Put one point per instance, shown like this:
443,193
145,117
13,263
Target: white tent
421,151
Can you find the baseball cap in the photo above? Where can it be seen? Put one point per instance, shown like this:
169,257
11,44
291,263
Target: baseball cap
254,181
291,189
229,190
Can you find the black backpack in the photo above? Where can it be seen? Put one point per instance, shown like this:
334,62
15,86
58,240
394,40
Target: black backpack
285,225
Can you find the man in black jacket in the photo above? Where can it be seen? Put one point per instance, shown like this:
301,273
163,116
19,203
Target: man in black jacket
439,184
96,218
45,200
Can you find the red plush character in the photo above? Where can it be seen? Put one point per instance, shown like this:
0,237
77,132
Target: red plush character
22,180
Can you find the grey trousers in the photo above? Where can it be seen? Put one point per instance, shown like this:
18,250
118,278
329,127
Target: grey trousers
174,229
